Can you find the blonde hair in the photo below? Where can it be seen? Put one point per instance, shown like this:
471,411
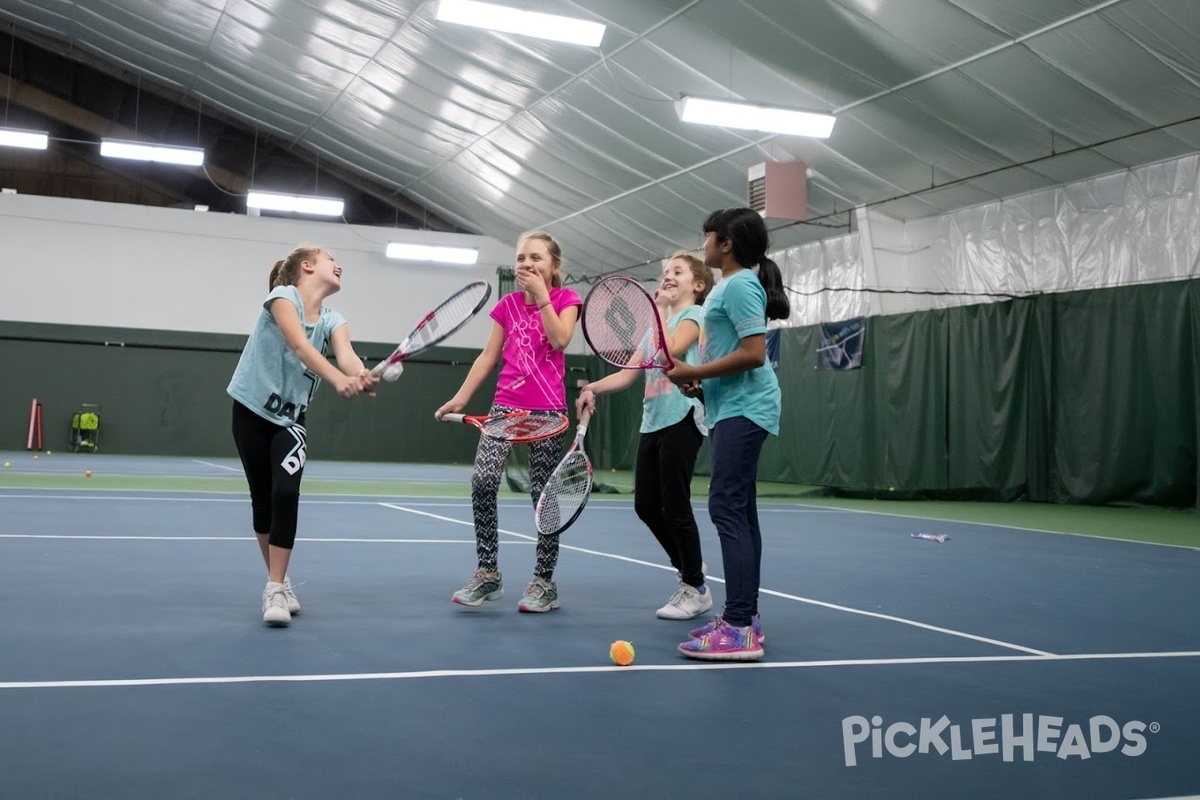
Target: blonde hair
552,246
286,271
700,272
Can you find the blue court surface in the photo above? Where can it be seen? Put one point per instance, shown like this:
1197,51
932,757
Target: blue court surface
1002,663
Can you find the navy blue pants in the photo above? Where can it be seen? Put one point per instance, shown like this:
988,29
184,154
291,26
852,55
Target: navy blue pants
733,508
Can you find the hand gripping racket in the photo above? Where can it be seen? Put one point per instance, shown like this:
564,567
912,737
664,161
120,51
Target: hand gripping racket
516,426
622,325
568,489
453,313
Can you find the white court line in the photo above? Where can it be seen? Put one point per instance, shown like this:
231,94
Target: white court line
798,599
229,539
242,497
528,671
368,500
238,470
1002,526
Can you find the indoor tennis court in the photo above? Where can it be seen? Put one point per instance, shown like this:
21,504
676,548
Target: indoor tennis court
942,254
136,664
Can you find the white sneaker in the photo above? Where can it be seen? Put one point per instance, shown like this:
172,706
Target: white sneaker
293,605
275,610
687,602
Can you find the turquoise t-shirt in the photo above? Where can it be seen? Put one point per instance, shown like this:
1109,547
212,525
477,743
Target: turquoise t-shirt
737,308
664,405
269,379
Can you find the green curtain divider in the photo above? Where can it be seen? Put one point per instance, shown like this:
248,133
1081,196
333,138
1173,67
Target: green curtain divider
1080,397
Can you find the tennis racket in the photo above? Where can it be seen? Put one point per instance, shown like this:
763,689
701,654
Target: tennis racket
454,312
568,489
515,426
622,325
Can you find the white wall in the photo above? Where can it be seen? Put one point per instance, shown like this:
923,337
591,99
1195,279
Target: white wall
80,262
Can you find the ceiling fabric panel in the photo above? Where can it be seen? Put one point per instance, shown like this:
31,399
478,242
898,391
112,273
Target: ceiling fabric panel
941,104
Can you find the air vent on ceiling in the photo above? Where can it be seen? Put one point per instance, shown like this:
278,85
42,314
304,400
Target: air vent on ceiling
779,190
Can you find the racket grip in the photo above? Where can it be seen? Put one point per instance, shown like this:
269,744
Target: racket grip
583,420
453,417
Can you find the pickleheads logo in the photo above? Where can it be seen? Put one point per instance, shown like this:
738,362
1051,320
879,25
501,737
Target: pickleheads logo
1028,735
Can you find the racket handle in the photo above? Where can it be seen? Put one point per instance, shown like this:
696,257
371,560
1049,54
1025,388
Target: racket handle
454,417
583,420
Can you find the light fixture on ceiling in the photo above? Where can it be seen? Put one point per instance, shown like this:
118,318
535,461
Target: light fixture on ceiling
296,203
163,154
755,117
33,140
525,23
441,254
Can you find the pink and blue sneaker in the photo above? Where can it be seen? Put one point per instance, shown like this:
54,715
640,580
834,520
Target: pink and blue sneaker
704,630
724,643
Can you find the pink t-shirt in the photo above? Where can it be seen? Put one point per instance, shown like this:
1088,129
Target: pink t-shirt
533,375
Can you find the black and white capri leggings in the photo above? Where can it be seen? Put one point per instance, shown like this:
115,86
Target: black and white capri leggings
490,458
273,458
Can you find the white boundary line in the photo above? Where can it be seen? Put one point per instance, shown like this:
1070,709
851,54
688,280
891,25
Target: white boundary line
809,601
341,540
529,671
804,506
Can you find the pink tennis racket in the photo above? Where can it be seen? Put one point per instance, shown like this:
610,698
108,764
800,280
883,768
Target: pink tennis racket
623,326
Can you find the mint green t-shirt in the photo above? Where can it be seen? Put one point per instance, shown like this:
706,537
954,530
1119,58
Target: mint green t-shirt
663,404
270,379
737,308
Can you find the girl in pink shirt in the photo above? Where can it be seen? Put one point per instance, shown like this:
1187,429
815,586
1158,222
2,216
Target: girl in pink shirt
532,329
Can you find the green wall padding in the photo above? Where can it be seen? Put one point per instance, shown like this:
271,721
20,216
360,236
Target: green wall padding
1080,397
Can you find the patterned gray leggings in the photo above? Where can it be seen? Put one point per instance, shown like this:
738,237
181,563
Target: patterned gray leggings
490,458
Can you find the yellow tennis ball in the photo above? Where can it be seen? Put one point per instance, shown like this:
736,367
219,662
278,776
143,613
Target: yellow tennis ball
621,653
7,465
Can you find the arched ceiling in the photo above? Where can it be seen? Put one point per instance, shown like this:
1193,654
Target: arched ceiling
941,104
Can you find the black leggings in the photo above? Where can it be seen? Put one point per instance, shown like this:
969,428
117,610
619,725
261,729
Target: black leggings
662,494
273,458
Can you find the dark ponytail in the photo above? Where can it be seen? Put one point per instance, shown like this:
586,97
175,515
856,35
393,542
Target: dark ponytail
746,229
771,279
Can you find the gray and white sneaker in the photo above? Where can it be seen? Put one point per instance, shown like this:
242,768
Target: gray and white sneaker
293,605
482,586
688,602
274,606
540,596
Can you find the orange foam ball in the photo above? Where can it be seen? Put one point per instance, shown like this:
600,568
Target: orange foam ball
87,474
621,653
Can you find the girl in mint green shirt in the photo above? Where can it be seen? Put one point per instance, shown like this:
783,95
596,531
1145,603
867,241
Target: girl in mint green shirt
741,401
671,435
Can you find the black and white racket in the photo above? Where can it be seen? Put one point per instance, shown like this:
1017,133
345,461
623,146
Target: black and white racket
454,312
568,489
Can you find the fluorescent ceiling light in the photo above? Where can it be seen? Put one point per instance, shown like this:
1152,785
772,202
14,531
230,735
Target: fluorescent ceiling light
749,116
140,151
524,23
33,140
426,252
297,203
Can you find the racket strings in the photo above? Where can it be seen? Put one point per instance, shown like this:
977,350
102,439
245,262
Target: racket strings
620,321
565,493
452,314
528,427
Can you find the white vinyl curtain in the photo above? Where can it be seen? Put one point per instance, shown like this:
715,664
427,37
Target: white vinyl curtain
1137,226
